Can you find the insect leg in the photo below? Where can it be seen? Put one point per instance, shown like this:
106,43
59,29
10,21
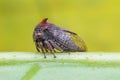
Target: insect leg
55,46
50,48
45,47
36,44
37,49
42,48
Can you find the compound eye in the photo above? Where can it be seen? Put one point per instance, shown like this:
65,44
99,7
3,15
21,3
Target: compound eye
38,30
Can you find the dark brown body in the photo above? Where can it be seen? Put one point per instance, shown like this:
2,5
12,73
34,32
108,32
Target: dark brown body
51,38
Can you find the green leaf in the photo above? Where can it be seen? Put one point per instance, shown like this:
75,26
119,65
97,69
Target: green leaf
73,66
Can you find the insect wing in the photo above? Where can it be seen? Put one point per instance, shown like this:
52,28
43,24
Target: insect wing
68,39
77,40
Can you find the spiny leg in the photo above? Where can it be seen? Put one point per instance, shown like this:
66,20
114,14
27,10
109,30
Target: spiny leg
50,48
55,46
42,48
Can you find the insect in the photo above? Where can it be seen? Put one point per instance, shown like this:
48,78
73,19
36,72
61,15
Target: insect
50,38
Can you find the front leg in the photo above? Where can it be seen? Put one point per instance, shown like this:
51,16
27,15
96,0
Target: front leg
49,46
40,44
37,47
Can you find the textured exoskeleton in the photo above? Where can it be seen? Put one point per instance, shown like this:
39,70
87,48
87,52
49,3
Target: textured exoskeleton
51,38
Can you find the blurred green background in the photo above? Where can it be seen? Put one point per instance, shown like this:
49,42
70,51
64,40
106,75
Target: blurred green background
97,22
